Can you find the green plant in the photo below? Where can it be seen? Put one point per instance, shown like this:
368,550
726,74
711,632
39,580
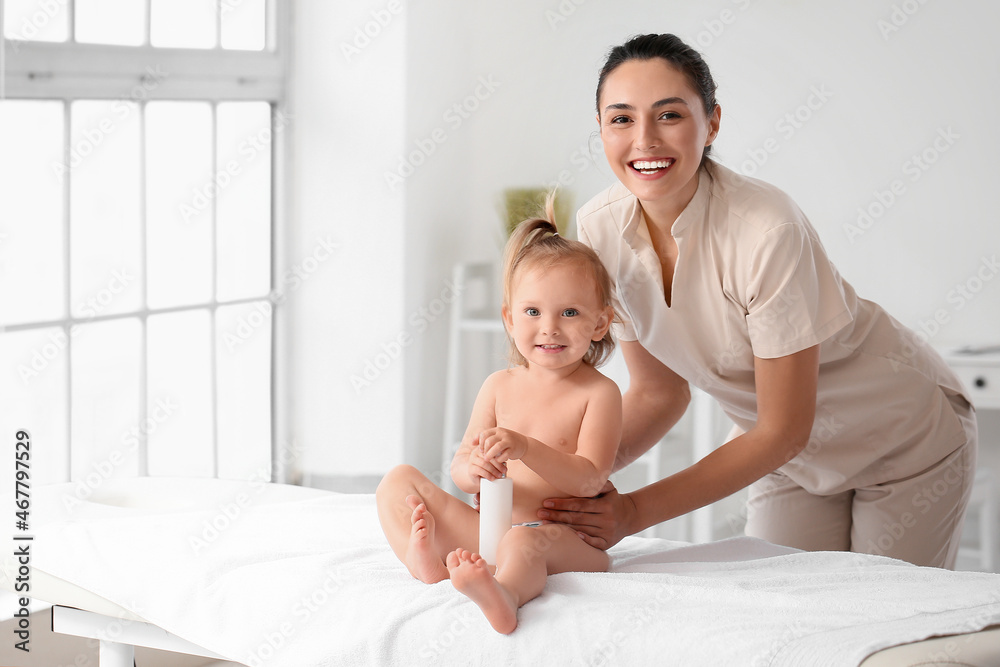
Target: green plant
519,204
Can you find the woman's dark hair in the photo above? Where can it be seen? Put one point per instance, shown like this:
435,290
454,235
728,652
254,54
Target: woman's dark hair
674,51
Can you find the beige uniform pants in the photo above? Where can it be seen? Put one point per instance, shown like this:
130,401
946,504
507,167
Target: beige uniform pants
917,519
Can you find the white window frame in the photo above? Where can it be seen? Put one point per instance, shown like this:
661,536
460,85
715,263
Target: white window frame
68,71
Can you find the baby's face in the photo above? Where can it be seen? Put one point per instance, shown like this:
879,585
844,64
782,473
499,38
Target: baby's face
555,314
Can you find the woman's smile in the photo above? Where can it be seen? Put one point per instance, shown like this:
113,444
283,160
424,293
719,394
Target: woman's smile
653,168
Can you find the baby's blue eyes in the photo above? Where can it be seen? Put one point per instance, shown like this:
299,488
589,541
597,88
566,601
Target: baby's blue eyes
534,312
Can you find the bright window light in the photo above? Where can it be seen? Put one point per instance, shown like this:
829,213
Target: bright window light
136,235
188,24
32,276
36,20
121,22
243,180
243,348
33,396
105,208
179,203
106,419
244,24
179,395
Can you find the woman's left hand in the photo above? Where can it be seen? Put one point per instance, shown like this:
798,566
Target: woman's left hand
601,521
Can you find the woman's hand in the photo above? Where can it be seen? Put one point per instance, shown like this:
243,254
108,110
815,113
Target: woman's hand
601,521
501,445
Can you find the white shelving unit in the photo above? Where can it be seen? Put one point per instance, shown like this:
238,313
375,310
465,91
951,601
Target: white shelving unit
475,310
980,372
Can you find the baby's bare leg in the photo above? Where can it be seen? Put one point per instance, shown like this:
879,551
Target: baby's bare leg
422,522
525,557
421,558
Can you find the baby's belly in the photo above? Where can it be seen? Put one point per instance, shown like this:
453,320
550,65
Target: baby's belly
529,492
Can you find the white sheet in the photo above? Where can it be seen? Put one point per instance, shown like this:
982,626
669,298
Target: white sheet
277,575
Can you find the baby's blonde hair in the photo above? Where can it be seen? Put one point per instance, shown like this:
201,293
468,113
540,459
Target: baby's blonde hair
536,242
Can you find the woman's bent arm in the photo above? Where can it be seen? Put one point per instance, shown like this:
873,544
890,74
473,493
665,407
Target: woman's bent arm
656,399
786,407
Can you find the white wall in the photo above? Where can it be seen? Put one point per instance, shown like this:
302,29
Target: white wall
349,109
891,82
439,137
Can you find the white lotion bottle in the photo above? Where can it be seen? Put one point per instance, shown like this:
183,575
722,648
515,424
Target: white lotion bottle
496,503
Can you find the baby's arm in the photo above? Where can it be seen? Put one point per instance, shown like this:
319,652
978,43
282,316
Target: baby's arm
584,473
468,465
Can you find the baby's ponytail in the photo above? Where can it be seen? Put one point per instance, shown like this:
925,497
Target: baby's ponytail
526,234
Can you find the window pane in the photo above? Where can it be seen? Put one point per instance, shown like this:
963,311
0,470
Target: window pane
39,20
111,22
243,344
179,396
243,175
105,208
31,211
33,396
178,205
187,24
106,425
244,24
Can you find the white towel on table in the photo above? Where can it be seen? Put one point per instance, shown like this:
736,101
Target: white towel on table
305,578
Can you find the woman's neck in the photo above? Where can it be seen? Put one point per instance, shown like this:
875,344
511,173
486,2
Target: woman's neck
659,219
663,212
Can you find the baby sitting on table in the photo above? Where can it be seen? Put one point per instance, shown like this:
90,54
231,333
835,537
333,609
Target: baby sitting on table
552,422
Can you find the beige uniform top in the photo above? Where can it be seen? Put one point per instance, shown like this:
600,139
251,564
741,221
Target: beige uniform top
752,279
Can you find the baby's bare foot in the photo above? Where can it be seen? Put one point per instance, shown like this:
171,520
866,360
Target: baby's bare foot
422,560
469,575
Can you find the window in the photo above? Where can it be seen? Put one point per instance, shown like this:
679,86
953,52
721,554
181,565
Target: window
137,216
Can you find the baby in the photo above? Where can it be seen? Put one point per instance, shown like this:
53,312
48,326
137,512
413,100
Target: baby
551,422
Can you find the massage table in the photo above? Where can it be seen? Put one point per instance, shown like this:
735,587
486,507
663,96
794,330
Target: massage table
271,574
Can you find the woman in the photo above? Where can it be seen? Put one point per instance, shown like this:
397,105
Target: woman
851,432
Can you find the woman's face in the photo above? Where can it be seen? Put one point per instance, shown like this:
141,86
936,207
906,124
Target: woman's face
654,129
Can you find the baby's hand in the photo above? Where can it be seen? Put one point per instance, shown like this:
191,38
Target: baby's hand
479,467
501,444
